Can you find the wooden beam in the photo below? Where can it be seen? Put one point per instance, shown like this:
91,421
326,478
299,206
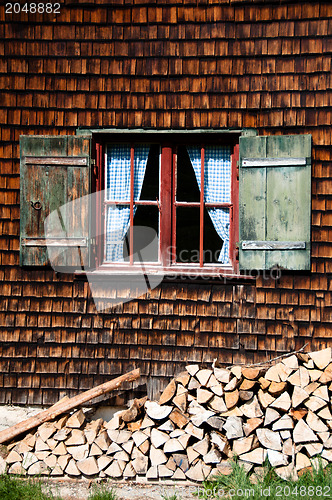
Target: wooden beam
201,210
69,161
132,185
54,242
65,406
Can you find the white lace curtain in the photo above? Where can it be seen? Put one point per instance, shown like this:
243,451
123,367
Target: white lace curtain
217,188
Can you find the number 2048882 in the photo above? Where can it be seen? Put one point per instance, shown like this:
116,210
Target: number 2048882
32,8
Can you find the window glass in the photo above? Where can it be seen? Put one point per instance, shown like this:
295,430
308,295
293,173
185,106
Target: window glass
187,235
186,187
150,189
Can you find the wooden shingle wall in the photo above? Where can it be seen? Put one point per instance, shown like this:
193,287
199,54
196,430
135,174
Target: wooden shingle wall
182,64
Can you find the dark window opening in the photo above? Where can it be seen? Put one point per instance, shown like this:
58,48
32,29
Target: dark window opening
187,237
145,245
150,188
187,188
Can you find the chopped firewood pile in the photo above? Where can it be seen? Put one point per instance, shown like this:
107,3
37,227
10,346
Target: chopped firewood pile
203,418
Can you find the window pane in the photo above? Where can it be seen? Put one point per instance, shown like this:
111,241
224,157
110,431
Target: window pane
118,172
117,223
212,243
187,235
187,188
150,189
146,231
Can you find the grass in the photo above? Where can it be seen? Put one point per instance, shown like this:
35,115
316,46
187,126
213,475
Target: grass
173,496
310,485
16,488
101,492
12,488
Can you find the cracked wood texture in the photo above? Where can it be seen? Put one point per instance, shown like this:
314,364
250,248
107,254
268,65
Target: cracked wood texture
180,65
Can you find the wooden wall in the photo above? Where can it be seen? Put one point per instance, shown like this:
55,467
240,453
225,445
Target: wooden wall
182,64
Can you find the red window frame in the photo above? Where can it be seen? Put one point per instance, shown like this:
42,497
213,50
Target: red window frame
167,211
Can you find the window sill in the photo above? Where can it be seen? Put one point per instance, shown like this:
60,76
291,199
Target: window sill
176,272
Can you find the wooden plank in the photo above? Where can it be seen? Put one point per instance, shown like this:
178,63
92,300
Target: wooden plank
166,203
201,211
65,406
252,217
273,245
131,217
54,242
288,203
288,146
273,162
63,161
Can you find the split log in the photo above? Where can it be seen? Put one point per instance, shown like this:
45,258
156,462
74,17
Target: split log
251,373
65,406
231,385
256,456
269,439
203,376
276,458
243,445
132,413
246,395
76,420
168,393
303,434
157,412
321,358
251,425
233,427
203,396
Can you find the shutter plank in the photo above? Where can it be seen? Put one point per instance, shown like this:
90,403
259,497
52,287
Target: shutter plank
252,207
288,146
288,212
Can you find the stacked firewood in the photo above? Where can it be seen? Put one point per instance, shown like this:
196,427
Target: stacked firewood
203,418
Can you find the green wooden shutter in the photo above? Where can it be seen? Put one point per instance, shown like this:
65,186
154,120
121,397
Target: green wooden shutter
275,202
55,175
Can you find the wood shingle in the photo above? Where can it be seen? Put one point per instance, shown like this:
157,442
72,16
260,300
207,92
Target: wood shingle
116,64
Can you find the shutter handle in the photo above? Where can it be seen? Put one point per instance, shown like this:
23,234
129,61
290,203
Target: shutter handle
36,205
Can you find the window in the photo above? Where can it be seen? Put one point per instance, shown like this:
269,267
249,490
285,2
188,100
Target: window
185,192
205,194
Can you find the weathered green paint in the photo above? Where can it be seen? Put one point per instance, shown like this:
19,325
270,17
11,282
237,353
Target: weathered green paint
252,186
252,213
288,203
54,186
284,195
